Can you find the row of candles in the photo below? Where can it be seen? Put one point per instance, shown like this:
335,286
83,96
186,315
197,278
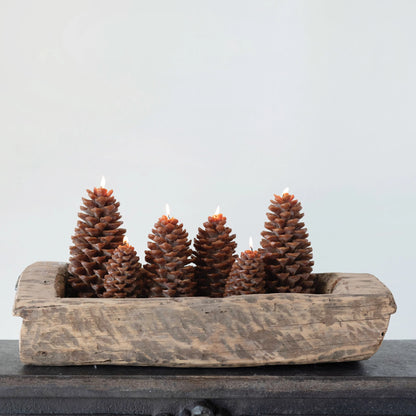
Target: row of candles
283,263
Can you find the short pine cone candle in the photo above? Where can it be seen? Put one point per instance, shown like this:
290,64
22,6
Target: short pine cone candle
214,256
247,275
97,234
124,278
286,251
168,259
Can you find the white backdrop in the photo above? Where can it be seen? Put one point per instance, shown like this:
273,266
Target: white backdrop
204,103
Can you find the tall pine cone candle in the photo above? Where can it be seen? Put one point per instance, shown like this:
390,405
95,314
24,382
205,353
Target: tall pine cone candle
124,278
214,256
247,275
286,249
168,258
96,236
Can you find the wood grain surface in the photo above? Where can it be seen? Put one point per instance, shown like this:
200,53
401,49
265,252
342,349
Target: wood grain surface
346,322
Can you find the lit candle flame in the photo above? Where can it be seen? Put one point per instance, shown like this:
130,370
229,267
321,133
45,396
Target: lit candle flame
125,240
167,210
102,184
250,243
285,191
217,211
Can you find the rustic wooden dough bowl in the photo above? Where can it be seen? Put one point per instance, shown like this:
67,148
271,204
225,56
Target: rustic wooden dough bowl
347,322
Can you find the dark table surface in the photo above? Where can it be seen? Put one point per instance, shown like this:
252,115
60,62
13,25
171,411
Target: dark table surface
384,384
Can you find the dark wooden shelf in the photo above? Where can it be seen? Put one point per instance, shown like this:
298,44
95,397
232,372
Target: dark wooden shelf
383,385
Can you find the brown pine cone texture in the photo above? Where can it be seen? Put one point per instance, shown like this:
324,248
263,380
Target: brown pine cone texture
247,275
286,249
213,256
168,259
147,282
124,278
97,234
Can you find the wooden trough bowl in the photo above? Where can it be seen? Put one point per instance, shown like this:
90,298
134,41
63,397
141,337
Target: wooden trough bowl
346,322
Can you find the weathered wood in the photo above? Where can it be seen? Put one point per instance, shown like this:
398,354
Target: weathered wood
346,322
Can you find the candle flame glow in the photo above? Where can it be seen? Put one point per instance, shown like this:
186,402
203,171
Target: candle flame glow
102,184
167,210
125,240
285,191
217,211
250,243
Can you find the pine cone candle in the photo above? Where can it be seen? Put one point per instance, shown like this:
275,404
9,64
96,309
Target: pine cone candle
97,235
124,278
247,274
168,260
286,250
214,256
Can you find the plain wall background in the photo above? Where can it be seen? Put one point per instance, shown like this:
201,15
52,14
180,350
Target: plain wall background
199,103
